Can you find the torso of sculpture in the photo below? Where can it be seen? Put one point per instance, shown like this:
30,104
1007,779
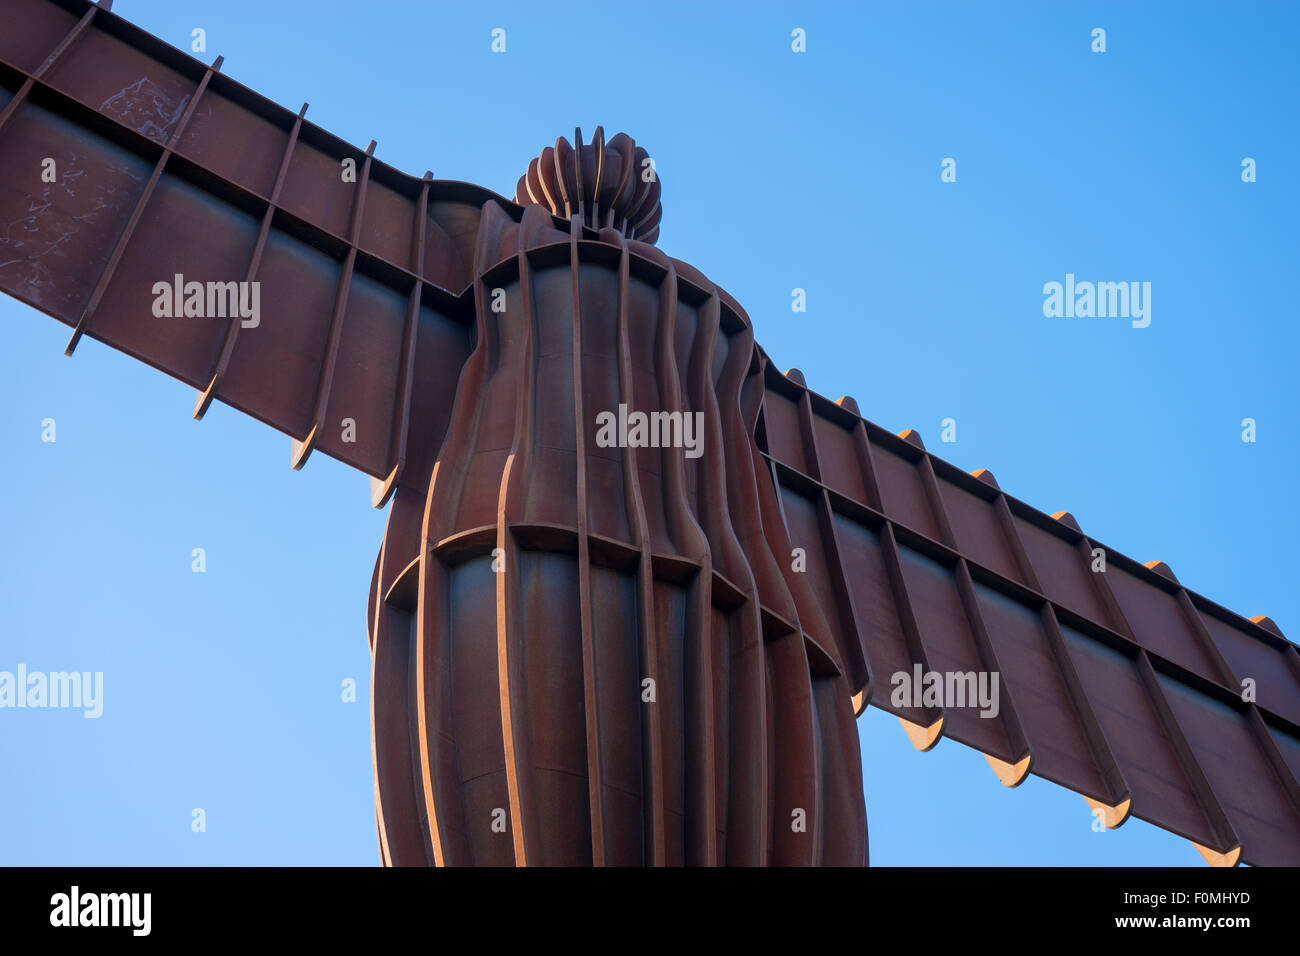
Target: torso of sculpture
568,678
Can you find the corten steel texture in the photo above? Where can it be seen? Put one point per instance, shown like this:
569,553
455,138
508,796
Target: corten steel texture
523,689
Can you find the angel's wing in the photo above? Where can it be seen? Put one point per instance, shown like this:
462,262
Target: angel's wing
129,170
1121,684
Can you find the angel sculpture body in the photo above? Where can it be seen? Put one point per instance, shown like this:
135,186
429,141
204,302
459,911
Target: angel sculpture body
584,663
594,651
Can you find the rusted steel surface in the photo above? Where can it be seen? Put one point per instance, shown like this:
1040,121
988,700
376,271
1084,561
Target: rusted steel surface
1121,685
532,580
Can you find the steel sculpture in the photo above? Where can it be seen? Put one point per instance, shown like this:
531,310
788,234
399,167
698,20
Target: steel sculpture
588,651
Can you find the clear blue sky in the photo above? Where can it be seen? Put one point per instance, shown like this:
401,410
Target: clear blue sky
820,171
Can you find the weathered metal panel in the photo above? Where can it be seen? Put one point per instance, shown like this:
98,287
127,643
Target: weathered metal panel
1118,680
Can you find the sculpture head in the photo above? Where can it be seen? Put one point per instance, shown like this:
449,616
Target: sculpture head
607,184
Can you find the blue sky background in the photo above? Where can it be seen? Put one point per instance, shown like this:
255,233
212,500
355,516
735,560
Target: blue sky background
819,171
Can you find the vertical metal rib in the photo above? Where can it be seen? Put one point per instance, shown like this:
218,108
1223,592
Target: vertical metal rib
1085,546
325,381
858,672
1010,774
862,448
923,738
580,211
430,635
124,239
1283,769
701,769
850,630
1008,525
1292,654
590,690
1119,801
1259,730
513,693
807,433
1211,649
381,490
930,483
768,520
1285,775
1021,756
505,623
867,467
652,750
1202,792
254,263
1230,844
793,726
734,510
598,143
403,833
563,187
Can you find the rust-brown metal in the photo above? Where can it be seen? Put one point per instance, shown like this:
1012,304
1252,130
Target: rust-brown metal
610,655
